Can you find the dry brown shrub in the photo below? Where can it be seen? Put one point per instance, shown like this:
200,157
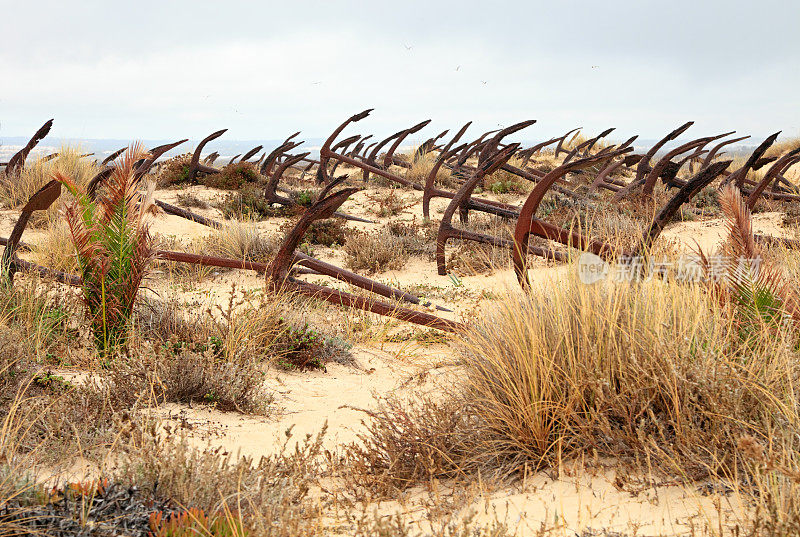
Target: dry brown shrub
374,252
181,375
389,204
272,494
408,443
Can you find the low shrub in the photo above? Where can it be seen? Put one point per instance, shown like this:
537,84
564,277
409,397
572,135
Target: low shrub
233,176
327,232
375,252
389,204
249,203
189,376
175,171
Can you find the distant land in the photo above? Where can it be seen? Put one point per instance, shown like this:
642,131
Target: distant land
226,148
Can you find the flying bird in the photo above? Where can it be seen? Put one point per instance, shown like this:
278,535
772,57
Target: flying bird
483,82
595,66
457,68
408,47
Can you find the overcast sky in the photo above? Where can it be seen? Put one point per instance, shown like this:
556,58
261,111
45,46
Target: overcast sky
159,70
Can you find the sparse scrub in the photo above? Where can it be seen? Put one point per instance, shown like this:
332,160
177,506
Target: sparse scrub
471,258
169,321
188,199
248,203
417,239
187,376
409,443
375,252
270,495
389,204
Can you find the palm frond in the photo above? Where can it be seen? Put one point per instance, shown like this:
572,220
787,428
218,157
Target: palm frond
758,289
113,247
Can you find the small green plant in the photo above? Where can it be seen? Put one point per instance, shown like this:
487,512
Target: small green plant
51,381
113,248
304,198
300,348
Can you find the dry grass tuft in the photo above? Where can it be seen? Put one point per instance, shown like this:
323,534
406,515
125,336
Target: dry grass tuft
241,240
16,190
55,250
271,494
422,166
375,252
189,199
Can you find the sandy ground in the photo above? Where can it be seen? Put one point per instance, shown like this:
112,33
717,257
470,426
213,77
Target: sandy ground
572,500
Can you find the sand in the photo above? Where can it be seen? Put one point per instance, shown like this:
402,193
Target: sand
586,496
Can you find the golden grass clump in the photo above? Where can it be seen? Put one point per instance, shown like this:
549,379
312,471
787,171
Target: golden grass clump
375,252
55,249
651,371
423,164
16,190
241,240
236,240
624,369
782,147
